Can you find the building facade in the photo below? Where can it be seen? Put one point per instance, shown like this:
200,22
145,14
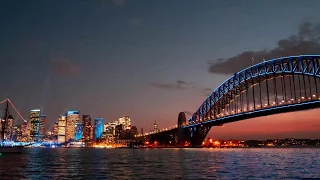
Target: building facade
91,133
73,119
42,126
62,129
55,131
125,121
86,126
98,128
78,132
34,118
155,127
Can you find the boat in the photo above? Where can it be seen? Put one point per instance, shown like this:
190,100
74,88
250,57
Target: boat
4,147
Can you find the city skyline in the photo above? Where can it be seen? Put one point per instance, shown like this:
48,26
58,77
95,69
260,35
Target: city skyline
107,59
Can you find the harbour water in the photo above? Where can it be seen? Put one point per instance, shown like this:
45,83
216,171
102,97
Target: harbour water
87,163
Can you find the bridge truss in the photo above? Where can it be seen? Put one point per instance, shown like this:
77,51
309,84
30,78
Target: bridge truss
279,83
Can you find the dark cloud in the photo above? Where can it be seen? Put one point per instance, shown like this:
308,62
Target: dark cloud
306,41
64,68
188,113
177,85
181,82
207,91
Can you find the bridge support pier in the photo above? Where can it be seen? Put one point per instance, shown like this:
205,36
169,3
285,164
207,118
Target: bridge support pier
181,132
197,134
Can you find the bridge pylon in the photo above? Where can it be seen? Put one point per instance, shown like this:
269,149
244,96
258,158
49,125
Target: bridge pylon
197,134
181,131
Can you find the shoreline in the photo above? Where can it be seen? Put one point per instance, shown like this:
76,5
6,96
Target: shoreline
265,147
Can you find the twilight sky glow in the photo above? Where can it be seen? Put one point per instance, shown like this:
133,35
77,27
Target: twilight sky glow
147,59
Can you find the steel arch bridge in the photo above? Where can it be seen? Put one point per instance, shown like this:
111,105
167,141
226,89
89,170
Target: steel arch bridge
275,86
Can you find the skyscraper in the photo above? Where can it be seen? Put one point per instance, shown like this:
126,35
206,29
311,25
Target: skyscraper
73,119
62,129
86,126
42,124
125,121
155,127
34,118
91,132
78,132
55,131
98,128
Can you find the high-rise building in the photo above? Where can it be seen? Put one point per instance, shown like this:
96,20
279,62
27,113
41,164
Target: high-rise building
42,124
141,130
125,121
55,131
98,128
34,118
155,127
78,132
73,119
62,129
86,126
24,132
91,132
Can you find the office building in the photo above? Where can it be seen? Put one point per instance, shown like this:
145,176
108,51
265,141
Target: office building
91,133
73,119
155,127
55,131
125,121
86,126
42,126
34,119
62,129
24,132
98,128
78,132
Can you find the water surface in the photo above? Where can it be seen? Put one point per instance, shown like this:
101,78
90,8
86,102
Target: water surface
65,163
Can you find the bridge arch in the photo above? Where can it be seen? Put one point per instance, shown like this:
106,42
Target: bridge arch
304,65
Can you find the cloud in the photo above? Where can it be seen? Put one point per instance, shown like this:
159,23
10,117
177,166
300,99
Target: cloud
177,85
135,22
118,2
64,68
207,91
188,113
306,41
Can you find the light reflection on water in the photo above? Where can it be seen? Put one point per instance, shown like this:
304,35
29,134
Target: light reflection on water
41,163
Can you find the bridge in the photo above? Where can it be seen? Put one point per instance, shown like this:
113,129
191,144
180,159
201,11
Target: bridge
275,86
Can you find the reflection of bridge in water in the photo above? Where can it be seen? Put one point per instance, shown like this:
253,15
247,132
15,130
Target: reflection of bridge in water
276,86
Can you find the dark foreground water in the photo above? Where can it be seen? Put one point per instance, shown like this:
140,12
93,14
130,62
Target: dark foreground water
41,163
